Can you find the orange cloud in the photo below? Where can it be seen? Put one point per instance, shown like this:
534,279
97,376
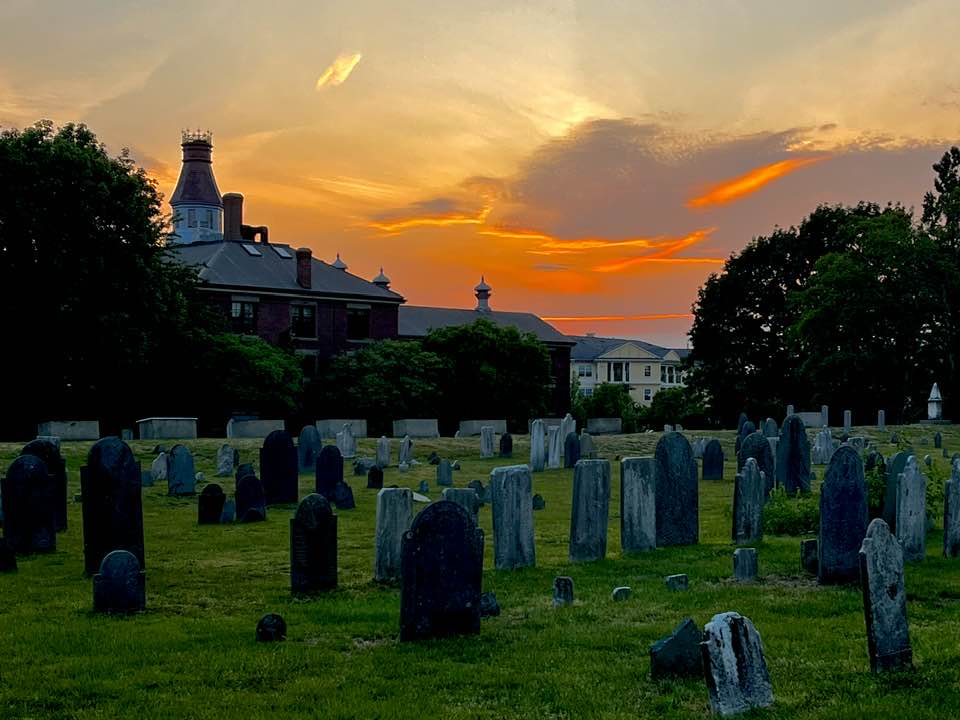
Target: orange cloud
616,318
439,220
339,71
727,191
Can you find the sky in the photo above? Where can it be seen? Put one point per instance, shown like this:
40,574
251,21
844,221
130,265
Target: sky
594,160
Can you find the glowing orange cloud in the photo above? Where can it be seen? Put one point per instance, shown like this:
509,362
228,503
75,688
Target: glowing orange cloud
726,191
615,318
441,220
339,71
664,253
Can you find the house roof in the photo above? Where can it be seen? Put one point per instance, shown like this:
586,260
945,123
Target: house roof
417,321
231,264
589,347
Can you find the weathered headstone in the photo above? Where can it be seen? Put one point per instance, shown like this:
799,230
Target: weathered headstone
758,447
444,473
588,449
822,447
112,508
210,505
678,654
734,665
158,468
244,469
279,468
770,428
489,607
251,499
347,442
881,420
793,457
308,447
912,511
937,440
512,507
745,564
621,593
506,445
28,499
483,494
591,510
120,584
442,572
935,404
538,449
894,469
847,421
638,504
49,452
571,450
678,500
424,486
466,498
748,500
271,628
843,518
712,460
313,546
554,447
678,583
343,496
394,515
405,454
951,513
383,452
741,421
486,441
747,429
375,478
225,457
824,416
329,471
884,600
567,425
562,591
181,474
538,502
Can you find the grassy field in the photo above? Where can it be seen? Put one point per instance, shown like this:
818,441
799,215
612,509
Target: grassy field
192,653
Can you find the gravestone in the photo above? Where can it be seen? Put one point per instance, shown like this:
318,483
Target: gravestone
675,483
112,508
49,452
712,460
881,420
361,466
571,450
210,505
554,448
745,566
229,512
822,447
226,457
444,474
375,478
486,441
884,600
347,442
405,454
758,447
770,428
747,429
466,498
937,440
951,513
28,499
749,496
912,512
793,457
394,515
810,556
158,468
271,628
843,518
279,468
935,404
506,445
120,586
638,505
621,593
824,416
591,510
894,469
734,666
329,471
538,449
308,447
567,425
483,494
489,607
588,449
562,591
512,506
442,574
251,499
678,654
677,583
343,496
383,452
424,486
313,546
244,469
538,502
181,474
741,421
847,421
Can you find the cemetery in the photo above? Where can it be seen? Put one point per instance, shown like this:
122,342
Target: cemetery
647,575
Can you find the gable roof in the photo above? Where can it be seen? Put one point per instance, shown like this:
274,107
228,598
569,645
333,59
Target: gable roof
590,347
228,264
417,321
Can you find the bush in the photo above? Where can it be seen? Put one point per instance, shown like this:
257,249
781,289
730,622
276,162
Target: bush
786,515
876,490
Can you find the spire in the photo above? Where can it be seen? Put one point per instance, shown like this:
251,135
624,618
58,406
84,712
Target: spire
382,280
339,264
483,291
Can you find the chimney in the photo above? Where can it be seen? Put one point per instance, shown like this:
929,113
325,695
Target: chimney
232,217
482,292
305,267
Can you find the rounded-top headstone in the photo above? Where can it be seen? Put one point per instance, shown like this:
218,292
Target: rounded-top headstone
793,456
113,455
28,504
119,586
312,510
757,446
212,489
843,518
271,628
278,439
243,470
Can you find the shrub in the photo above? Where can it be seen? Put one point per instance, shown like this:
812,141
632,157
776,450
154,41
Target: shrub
786,515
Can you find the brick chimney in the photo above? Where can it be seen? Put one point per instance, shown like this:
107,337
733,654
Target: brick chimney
305,267
232,217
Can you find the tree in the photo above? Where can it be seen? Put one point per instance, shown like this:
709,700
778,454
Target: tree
941,208
675,405
612,400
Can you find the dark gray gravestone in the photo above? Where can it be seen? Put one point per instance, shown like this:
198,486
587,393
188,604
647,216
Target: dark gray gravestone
770,428
677,583
245,469
466,498
591,510
741,421
279,468
745,564
937,440
8,558
29,499
638,505
506,445
809,556
678,500
571,450
894,469
210,505
489,607
313,546
308,447
49,452
483,494
112,508
271,628
444,473
747,429
329,471
251,500
951,513
229,513
343,496
119,587
512,505
539,503
748,502
713,460
621,593
562,591
181,474
757,446
442,571
361,466
678,654
843,518
375,478
734,666
884,600
394,515
793,457
424,486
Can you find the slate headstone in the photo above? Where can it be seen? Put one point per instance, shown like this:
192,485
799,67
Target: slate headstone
793,457
329,471
912,512
512,507
951,513
810,556
375,478
506,445
29,500
884,600
748,503
279,468
538,448
571,450
741,421
712,460
49,452
937,440
313,546
383,452
678,654
554,447
487,441
734,665
181,474
562,591
894,469
638,504
225,457
210,505
394,515
843,518
343,496
678,500
251,500
271,628
759,447
591,510
466,498
747,429
745,567
444,473
770,428
120,586
308,447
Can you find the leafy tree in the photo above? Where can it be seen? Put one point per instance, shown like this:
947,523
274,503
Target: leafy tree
941,208
675,405
613,400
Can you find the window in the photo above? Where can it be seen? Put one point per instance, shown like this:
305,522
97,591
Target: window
585,371
243,316
192,217
358,323
303,321
669,375
586,392
647,393
207,219
647,371
618,372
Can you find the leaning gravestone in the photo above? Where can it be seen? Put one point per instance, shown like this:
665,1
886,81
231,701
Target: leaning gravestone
486,441
758,447
210,505
225,460
229,513
793,457
112,508
734,665
843,518
912,512
895,468
181,474
329,471
119,587
444,473
951,513
678,500
49,452
28,500
383,452
251,500
512,507
442,571
466,498
567,425
713,460
308,447
770,428
571,450
313,546
374,478
506,445
638,505
405,454
884,600
554,447
394,515
538,450
748,501
678,654
279,468
591,510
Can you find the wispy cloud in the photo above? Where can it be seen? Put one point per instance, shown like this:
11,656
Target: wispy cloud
731,189
617,318
339,71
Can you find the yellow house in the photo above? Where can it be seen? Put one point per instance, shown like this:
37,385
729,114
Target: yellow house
643,367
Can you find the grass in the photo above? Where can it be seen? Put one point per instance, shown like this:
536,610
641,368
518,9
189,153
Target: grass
192,653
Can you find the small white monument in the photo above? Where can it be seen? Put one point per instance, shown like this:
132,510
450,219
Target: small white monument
935,404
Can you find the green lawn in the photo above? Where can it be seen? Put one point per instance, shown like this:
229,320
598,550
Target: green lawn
193,655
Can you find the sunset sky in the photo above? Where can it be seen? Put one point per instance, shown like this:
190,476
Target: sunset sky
594,160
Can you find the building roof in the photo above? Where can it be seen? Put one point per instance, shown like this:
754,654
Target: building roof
416,321
273,267
196,184
590,347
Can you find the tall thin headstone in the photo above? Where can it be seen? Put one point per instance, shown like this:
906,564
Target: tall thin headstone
638,504
591,510
824,416
712,460
29,519
538,450
678,500
313,546
892,492
329,471
511,492
554,447
571,450
793,457
250,499
951,513
487,441
279,468
847,421
912,511
394,515
843,518
884,600
308,447
881,420
405,455
383,452
749,496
